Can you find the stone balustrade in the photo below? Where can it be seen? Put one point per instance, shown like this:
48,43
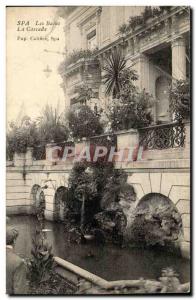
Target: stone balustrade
90,283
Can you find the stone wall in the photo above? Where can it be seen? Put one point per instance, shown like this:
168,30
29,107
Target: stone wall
166,172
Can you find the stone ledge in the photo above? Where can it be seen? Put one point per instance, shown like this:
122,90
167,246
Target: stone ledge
142,164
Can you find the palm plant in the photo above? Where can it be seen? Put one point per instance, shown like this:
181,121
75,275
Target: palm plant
51,125
115,65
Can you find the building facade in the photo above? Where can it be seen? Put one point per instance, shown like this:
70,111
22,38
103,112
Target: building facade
158,49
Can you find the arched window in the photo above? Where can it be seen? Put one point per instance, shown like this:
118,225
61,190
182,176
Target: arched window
61,198
162,99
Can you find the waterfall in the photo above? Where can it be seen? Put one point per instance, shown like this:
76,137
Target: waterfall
82,213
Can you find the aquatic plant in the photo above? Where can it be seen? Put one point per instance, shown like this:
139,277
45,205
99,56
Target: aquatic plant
41,263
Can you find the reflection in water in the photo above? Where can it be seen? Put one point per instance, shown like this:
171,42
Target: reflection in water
109,261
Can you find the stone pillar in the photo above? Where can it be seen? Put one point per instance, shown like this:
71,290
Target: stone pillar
102,86
98,25
52,153
179,58
29,156
19,159
142,68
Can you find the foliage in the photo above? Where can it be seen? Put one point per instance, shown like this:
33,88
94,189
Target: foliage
19,137
135,21
115,186
74,57
51,126
180,99
123,29
103,186
54,285
140,20
115,67
131,108
147,13
83,122
112,223
131,111
84,94
156,225
42,258
82,181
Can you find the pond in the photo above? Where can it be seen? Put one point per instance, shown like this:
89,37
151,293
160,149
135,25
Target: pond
109,262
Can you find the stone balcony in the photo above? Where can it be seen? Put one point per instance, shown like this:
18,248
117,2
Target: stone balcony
157,30
85,71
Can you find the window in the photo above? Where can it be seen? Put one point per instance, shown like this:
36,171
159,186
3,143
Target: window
92,40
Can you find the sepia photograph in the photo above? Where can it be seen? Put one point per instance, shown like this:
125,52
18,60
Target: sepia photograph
98,150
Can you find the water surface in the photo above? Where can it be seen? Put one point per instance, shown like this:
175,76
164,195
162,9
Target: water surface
109,261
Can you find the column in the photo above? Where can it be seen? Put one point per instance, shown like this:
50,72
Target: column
98,25
142,68
101,87
179,59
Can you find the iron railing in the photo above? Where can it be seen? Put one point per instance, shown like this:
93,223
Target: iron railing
162,136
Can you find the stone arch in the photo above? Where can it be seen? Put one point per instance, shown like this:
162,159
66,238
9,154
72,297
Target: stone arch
60,203
153,197
38,198
162,84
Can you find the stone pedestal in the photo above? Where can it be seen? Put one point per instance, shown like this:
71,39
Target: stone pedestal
19,159
29,156
179,59
52,152
128,142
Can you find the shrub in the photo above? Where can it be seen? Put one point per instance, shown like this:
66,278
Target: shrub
21,137
74,57
123,29
148,12
51,126
84,94
180,99
104,187
131,111
83,122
